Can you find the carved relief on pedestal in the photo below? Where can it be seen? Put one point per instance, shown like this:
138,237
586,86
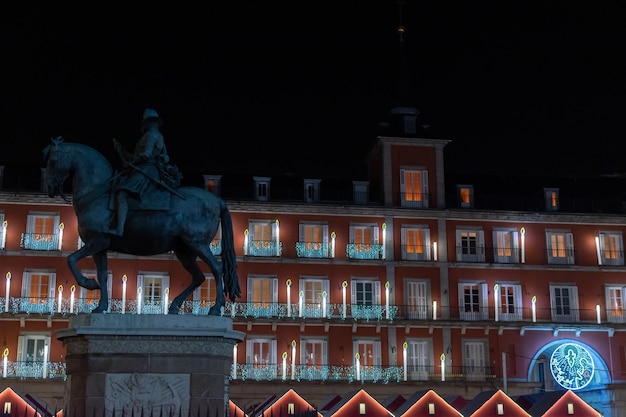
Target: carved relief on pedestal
147,394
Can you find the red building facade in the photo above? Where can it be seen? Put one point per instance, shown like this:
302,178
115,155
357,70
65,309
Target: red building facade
409,283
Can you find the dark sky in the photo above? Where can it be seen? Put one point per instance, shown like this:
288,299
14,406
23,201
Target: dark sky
288,86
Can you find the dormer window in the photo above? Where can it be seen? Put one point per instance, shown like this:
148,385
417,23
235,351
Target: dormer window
262,188
466,196
311,190
212,183
361,192
414,187
551,197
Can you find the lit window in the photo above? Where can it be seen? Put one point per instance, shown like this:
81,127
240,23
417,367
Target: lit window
431,408
551,196
500,409
362,408
414,187
570,408
291,409
466,196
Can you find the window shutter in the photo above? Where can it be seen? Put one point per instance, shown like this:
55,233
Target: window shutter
21,353
569,241
377,293
459,252
375,235
426,242
425,184
352,292
484,302
52,289
275,290
26,284
325,233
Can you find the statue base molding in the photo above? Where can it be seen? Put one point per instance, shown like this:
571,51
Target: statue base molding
128,364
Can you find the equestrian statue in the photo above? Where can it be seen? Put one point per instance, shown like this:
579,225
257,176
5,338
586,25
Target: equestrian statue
142,210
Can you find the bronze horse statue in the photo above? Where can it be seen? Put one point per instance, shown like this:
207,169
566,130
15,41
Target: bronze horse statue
187,227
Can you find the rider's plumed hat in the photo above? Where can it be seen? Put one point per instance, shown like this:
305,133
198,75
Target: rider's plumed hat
149,116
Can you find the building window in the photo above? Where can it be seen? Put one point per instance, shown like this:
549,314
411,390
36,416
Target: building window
365,292
361,192
414,188
152,287
560,247
416,243
364,242
313,241
505,246
311,190
291,409
611,248
475,360
263,295
615,297
362,408
314,356
262,188
564,303
551,197
42,231
263,239
314,291
417,293
466,196
38,290
420,359
470,245
213,183
32,348
473,301
509,301
261,353
369,354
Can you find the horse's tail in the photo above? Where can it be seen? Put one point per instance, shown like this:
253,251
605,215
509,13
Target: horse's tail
229,257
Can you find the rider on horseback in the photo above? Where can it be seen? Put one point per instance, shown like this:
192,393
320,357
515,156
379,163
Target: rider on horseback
148,164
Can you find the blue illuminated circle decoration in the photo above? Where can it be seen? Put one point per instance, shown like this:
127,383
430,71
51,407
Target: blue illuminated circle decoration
572,366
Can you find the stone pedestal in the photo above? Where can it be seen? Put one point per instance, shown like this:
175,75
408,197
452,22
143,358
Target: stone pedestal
127,364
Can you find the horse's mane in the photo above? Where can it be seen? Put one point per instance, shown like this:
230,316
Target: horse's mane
84,148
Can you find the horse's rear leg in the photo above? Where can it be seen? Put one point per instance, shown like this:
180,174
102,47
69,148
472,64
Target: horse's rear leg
207,256
188,260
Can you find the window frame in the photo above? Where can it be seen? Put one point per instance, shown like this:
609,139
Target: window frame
461,247
559,310
414,183
565,246
422,231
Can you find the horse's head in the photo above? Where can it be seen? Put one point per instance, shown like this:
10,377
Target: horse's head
57,167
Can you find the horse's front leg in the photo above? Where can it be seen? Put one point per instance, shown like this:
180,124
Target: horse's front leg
100,259
72,263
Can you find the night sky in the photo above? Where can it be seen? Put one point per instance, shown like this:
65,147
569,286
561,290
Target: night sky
295,86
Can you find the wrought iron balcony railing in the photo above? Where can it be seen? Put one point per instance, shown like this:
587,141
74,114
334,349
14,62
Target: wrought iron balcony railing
523,316
364,251
40,241
295,372
312,249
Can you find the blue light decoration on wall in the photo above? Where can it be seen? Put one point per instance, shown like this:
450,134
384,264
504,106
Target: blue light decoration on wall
572,366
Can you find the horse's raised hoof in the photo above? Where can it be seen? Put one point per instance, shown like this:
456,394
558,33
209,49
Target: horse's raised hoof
98,310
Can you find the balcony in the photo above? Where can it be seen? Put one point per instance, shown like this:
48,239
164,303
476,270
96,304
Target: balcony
313,250
364,251
40,241
288,372
263,248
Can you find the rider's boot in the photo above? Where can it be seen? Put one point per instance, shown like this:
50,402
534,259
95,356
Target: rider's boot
122,211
